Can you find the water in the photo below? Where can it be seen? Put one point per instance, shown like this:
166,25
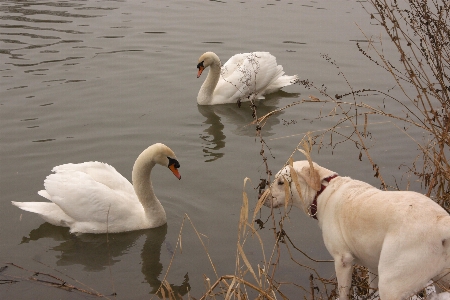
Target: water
85,81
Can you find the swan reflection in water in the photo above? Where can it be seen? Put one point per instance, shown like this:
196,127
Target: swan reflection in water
241,118
96,253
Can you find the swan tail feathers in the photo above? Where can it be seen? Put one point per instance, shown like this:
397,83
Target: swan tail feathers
281,82
286,80
45,194
50,212
35,207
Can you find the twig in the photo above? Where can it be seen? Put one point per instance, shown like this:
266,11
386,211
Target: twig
60,283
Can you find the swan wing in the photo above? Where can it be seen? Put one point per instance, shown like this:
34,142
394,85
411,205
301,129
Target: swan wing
232,64
247,74
101,173
91,192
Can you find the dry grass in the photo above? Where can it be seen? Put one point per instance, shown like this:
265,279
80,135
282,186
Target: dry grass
420,31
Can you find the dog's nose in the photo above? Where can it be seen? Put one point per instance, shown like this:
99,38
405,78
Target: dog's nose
264,198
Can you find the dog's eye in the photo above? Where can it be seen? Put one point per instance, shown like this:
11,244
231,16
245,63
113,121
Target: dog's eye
280,182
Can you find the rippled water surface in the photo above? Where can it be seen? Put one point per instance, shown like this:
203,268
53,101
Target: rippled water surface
102,80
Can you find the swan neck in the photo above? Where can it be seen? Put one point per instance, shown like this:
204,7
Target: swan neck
143,187
205,94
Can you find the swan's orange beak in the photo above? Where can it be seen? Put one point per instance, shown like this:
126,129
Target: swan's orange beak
175,171
200,70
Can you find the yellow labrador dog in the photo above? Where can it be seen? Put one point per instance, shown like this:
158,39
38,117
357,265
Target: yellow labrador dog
403,238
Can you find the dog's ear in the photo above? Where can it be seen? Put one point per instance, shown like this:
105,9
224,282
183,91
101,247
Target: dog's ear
311,176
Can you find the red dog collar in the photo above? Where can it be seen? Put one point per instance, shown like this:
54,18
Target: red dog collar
313,207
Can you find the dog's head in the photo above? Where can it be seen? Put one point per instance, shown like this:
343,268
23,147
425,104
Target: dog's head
297,184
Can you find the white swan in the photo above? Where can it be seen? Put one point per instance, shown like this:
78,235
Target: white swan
92,197
243,77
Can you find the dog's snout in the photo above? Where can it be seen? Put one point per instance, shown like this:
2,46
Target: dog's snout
266,198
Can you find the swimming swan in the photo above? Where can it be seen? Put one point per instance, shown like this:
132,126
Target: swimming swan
243,77
92,197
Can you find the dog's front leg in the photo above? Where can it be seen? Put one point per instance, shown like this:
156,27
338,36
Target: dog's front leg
343,267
